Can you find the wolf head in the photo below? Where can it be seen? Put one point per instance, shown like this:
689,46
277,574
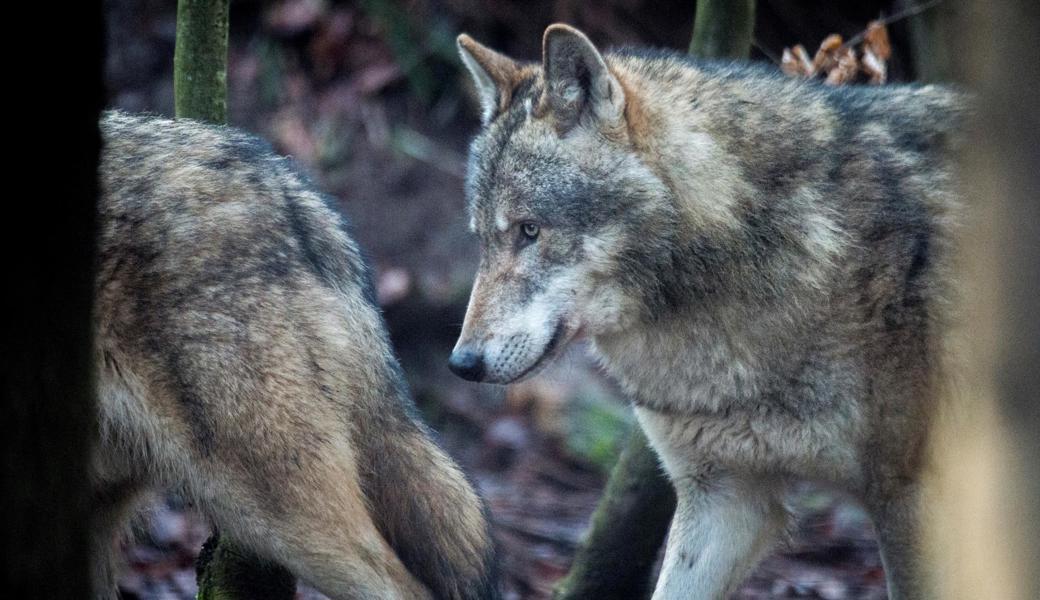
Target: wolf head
562,202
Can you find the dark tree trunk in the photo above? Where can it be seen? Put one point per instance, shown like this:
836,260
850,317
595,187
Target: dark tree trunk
46,375
723,29
200,60
225,573
627,530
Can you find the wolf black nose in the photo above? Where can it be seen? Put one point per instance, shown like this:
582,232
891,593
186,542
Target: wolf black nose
467,364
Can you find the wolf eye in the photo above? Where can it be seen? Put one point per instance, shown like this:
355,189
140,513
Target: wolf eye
530,231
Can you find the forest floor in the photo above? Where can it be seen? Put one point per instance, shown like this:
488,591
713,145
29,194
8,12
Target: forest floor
322,84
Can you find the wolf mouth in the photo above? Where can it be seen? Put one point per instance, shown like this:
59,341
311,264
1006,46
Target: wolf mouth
550,349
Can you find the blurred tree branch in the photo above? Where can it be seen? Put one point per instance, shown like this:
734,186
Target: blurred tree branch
632,518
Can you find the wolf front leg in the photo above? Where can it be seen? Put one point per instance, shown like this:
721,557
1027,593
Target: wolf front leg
722,527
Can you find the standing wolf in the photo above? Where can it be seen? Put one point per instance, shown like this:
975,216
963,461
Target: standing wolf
758,260
242,360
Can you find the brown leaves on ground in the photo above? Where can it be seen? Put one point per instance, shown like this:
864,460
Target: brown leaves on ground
838,61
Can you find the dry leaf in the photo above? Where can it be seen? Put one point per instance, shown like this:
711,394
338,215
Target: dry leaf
875,39
796,62
874,67
838,62
846,68
828,55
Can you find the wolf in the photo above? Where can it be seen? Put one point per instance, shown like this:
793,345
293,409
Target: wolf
242,360
760,262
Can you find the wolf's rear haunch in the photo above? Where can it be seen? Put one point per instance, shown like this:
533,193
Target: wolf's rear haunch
242,361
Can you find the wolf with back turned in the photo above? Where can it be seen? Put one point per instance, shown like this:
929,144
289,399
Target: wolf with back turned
242,361
759,261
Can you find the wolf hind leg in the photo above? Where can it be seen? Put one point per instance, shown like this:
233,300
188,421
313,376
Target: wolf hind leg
896,517
721,529
315,523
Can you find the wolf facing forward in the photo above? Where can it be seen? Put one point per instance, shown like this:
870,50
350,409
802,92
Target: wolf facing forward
243,361
759,261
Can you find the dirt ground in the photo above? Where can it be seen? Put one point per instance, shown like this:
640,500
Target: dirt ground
373,107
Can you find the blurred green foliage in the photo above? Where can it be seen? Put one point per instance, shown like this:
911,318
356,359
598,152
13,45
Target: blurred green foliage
423,53
595,429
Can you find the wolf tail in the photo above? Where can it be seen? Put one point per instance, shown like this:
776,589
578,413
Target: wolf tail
429,512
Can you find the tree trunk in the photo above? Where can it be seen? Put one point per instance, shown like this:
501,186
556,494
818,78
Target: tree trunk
225,572
47,395
631,521
200,60
723,29
985,534
628,528
932,51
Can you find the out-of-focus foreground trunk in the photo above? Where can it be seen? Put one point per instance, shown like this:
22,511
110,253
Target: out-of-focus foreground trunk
46,375
985,526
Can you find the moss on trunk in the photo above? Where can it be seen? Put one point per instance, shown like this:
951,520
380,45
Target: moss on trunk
227,573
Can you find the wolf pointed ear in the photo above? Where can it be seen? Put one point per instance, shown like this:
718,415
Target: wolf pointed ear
494,75
577,78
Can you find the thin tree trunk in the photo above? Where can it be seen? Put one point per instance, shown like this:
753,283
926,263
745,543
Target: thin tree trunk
47,395
985,532
200,60
723,29
225,572
631,521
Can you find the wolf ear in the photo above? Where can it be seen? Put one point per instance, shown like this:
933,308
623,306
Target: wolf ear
577,78
494,75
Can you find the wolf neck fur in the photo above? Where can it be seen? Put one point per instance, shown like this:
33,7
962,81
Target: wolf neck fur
714,276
